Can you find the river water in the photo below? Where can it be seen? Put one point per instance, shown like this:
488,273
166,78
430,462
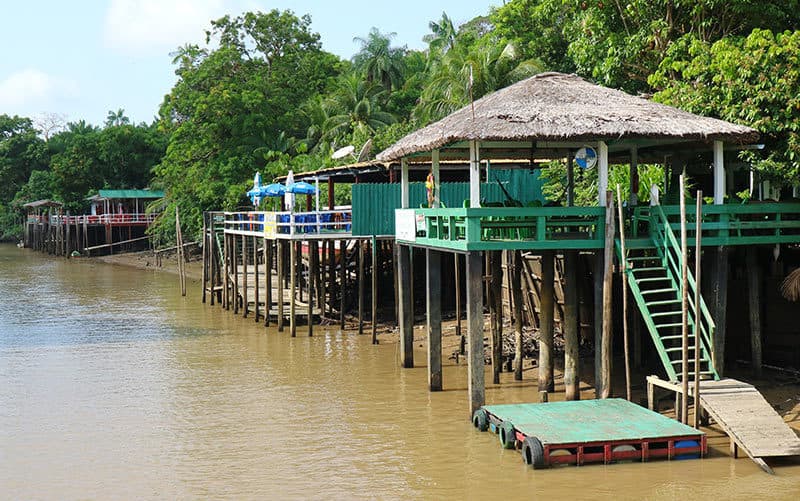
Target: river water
112,386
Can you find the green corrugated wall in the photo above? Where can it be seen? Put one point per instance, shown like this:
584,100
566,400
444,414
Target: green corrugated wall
374,204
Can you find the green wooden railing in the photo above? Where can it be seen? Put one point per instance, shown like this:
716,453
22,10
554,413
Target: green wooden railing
732,224
669,249
499,228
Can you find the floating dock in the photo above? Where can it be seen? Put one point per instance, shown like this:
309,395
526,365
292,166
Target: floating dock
587,431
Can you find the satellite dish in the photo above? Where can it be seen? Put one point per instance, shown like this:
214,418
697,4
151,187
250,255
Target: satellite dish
365,151
586,157
343,152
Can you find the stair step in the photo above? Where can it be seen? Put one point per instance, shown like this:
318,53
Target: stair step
663,303
644,258
658,291
679,348
665,313
668,325
652,279
670,338
657,268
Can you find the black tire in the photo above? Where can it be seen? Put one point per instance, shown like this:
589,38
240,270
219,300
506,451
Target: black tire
481,420
508,437
533,452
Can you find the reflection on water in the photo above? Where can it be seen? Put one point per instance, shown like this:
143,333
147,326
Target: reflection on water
113,386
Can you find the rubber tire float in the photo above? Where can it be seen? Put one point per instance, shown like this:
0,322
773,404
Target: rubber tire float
533,452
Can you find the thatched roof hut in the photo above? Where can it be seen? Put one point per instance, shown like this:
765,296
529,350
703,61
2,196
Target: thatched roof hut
559,107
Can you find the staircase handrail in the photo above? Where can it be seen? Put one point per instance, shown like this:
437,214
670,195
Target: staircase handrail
672,247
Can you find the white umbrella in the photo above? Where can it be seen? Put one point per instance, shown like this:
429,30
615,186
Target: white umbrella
289,197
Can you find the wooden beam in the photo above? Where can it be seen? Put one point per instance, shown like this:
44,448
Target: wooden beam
571,328
547,322
476,382
608,320
434,315
406,307
754,303
516,302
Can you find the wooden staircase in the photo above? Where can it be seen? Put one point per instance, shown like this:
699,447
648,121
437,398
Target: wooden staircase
654,277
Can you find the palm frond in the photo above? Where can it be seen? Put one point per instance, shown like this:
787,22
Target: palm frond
790,288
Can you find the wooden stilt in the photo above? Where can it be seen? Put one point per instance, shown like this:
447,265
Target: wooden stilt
720,301
754,306
684,306
245,277
235,261
226,271
374,295
608,277
457,275
342,279
516,302
571,327
293,288
599,265
281,269
406,307
212,254
546,322
312,273
624,267
434,314
206,241
323,291
268,280
697,334
361,286
496,313
256,284
476,382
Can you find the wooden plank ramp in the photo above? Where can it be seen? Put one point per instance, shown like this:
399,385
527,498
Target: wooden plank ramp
746,417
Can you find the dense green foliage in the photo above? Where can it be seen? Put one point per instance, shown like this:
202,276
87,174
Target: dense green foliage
262,95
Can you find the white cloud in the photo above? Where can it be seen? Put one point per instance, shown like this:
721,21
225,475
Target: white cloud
141,26
28,87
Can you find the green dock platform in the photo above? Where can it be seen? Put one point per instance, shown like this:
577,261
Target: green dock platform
587,431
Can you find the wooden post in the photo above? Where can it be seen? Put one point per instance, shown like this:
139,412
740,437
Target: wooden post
434,314
406,307
697,315
323,272
206,241
226,270
281,269
608,320
245,278
496,316
374,277
267,280
235,260
293,288
331,274
599,267
546,322
624,273
476,384
342,279
256,285
571,327
684,307
456,260
213,272
754,296
181,260
720,302
313,253
516,299
361,286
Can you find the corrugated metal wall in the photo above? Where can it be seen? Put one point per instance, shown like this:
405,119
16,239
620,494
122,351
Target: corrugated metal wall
374,204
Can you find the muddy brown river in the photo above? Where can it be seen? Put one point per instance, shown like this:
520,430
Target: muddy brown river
112,386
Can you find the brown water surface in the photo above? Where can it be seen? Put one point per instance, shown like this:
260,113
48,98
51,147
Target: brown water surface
112,386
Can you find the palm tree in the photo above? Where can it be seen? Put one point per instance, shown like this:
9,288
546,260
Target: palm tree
116,118
378,60
355,105
442,37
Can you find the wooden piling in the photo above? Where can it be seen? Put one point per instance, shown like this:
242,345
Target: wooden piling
434,315
476,382
571,327
245,278
293,288
361,286
598,272
256,285
312,273
608,320
206,240
754,306
235,261
406,307
267,280
323,291
458,298
281,270
226,271
624,272
374,295
342,279
546,322
496,313
720,302
684,306
697,333
516,302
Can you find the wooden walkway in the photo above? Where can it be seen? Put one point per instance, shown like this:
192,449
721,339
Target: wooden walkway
746,417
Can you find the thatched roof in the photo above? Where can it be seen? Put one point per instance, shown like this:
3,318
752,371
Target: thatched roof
559,107
42,203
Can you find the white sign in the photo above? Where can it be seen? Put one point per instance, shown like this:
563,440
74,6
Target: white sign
405,225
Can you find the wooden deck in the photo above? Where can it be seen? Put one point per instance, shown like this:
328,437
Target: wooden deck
746,417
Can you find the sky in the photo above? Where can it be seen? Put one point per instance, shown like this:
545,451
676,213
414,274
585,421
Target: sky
78,59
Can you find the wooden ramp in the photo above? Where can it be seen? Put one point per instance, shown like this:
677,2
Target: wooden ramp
746,417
